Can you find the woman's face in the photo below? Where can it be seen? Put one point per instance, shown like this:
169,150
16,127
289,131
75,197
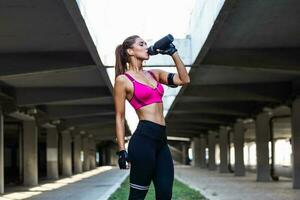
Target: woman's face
139,49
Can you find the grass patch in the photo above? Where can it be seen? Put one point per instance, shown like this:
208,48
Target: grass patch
180,192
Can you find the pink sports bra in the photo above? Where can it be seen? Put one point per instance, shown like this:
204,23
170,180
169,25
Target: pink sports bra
143,94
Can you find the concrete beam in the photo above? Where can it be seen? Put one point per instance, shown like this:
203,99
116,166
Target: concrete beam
69,111
190,125
90,120
200,120
189,132
34,96
226,108
41,62
194,117
236,92
284,59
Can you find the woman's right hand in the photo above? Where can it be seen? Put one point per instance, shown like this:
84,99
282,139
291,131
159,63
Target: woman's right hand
123,156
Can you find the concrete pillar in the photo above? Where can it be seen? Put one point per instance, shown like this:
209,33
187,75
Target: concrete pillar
238,140
296,142
92,155
66,153
103,154
212,151
112,158
86,153
30,147
202,151
224,150
262,147
77,153
196,151
1,153
184,150
52,154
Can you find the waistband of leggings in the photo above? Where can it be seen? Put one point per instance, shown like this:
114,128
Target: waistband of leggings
152,129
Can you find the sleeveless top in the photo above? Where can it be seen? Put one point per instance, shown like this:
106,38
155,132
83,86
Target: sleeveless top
143,94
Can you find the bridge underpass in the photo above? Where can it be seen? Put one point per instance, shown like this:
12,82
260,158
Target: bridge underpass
57,105
244,90
56,98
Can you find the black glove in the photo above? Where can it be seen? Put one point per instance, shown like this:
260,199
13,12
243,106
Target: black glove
168,51
122,159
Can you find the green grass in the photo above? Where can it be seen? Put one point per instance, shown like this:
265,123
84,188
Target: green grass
180,192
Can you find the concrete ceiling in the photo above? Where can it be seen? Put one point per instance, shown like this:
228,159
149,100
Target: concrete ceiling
249,61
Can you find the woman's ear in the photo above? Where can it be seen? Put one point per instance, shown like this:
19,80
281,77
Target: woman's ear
130,52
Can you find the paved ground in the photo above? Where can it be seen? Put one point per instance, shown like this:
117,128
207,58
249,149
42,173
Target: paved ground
216,186
96,184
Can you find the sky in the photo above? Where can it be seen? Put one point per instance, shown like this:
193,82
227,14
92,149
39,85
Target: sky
111,21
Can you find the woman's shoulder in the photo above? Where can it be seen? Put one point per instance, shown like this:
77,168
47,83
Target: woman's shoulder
120,78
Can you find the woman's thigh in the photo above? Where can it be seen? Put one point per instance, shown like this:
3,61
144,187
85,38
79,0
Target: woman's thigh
141,154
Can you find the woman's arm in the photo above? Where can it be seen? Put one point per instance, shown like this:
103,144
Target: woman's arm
181,78
119,100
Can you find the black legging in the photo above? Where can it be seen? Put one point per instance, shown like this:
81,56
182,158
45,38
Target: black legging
150,159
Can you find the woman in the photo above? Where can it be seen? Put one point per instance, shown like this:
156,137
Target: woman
148,154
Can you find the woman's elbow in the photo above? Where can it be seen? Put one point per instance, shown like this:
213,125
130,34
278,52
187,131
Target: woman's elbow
186,81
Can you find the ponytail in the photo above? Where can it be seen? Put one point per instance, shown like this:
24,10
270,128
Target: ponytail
121,60
122,56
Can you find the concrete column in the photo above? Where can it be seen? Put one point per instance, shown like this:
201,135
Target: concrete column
1,153
92,147
103,154
296,142
202,151
113,159
212,151
238,140
66,153
52,154
196,151
77,153
224,150
30,147
262,147
184,150
86,154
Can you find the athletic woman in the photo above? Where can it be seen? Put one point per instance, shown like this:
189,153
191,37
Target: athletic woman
148,154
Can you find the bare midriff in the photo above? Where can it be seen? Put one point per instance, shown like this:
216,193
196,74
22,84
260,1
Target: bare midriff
152,112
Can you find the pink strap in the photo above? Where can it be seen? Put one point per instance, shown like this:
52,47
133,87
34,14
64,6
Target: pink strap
128,76
152,74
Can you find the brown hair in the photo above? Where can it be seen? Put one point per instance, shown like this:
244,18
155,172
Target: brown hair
122,56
